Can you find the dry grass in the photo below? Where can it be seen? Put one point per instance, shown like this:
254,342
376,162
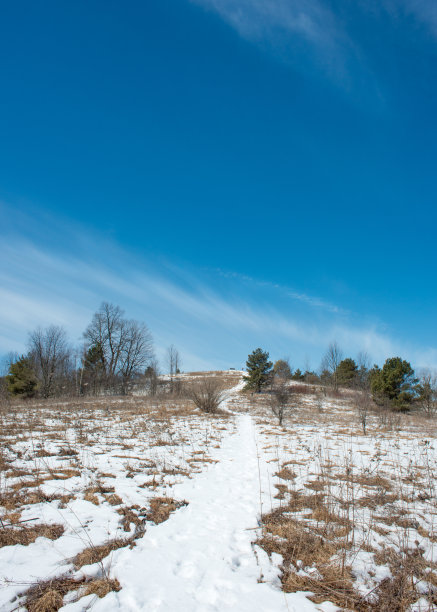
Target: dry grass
286,474
114,500
24,535
48,596
352,497
162,507
326,575
102,587
314,560
91,497
95,554
130,516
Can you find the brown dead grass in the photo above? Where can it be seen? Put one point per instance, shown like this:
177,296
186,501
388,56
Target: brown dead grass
91,497
24,535
44,453
102,587
94,554
48,596
27,484
162,507
114,500
130,516
328,577
286,474
50,601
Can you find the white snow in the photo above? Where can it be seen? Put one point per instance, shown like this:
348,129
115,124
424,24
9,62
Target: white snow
202,559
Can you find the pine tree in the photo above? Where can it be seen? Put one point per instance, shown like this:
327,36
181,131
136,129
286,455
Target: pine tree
346,371
259,370
394,383
94,367
21,378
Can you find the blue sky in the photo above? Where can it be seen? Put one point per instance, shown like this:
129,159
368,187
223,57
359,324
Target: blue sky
235,173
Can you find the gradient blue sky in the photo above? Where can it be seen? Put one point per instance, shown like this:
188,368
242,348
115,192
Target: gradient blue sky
235,173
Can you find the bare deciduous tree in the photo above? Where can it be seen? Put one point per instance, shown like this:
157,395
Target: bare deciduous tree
331,361
50,355
173,360
107,330
427,392
126,346
363,367
136,351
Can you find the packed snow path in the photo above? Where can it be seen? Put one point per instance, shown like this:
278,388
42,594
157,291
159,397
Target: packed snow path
202,559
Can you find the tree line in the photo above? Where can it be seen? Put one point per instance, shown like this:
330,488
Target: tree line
394,385
115,352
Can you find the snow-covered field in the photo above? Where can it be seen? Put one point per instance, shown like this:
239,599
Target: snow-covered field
142,504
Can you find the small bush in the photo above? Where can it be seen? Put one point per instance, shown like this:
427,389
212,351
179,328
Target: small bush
207,395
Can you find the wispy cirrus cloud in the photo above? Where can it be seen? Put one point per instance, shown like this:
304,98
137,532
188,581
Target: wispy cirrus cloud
423,11
298,296
304,33
320,37
261,19
214,324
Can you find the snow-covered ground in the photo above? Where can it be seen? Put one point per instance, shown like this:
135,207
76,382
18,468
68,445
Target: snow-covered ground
96,469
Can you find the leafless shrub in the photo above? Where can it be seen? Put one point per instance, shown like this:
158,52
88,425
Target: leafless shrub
207,394
387,417
362,406
279,400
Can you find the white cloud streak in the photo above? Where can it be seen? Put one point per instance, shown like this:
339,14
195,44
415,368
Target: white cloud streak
424,11
286,25
291,293
41,285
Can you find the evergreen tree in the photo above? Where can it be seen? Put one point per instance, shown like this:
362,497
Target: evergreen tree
298,375
394,384
94,367
259,370
21,378
346,371
326,377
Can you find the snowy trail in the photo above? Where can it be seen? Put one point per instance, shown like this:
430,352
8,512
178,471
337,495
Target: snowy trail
202,558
